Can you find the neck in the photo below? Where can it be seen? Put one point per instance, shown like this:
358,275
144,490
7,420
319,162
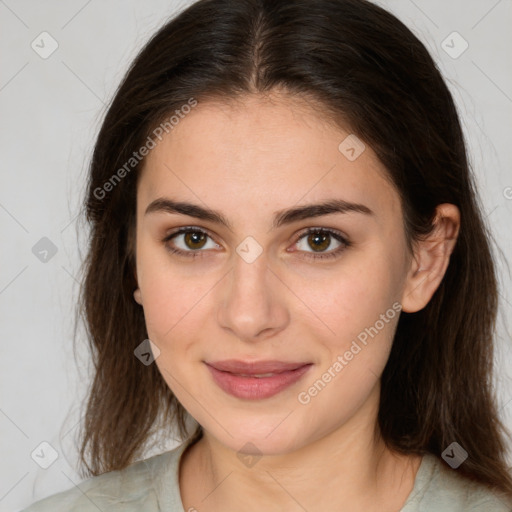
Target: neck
350,466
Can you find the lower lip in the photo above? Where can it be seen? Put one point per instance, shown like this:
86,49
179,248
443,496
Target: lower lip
253,388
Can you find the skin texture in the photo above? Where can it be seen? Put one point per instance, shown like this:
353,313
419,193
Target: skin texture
248,160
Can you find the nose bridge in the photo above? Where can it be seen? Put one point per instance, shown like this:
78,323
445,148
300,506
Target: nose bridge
250,303
250,278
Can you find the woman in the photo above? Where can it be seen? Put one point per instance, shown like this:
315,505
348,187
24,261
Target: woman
287,254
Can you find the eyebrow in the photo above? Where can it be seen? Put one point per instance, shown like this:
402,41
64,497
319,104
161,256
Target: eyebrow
281,217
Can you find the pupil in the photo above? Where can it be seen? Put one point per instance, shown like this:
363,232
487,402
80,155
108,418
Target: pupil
319,240
195,238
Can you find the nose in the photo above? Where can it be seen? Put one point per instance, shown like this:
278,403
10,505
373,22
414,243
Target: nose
252,301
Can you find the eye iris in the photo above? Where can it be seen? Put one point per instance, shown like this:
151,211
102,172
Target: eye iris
319,240
195,237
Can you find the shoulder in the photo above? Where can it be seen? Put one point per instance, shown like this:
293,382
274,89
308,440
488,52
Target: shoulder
131,489
442,489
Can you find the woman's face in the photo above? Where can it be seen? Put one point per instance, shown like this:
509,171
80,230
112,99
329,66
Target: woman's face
251,289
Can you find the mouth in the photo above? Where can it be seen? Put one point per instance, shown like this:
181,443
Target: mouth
256,380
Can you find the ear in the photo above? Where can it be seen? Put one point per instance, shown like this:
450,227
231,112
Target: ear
131,244
137,296
431,258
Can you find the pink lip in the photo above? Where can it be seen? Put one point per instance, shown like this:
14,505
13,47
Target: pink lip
227,376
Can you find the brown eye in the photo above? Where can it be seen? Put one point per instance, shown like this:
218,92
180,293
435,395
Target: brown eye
195,239
189,242
319,240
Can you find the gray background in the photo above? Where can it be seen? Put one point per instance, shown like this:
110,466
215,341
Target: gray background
51,110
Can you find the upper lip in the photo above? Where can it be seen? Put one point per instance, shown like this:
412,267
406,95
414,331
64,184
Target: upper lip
255,367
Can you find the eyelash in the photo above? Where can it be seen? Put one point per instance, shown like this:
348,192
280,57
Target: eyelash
320,256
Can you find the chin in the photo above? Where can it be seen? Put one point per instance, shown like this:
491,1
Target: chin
259,437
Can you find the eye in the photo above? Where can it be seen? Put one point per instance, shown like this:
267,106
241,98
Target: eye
321,239
189,242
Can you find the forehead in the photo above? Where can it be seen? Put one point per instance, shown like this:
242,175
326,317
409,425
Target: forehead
262,150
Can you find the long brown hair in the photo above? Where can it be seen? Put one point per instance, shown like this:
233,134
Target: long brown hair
369,71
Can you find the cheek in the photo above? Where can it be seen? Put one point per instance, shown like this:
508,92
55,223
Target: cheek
170,306
357,311
173,301
354,357
347,301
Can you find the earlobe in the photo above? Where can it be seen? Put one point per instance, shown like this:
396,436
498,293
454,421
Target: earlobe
431,259
137,294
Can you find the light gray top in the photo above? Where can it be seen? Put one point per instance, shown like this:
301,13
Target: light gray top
152,485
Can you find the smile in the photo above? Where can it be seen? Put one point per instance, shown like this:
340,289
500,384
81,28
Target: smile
249,384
